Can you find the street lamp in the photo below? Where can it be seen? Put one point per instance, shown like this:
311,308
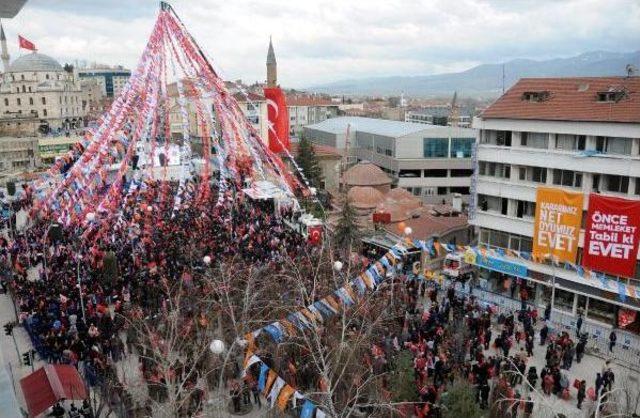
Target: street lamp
217,347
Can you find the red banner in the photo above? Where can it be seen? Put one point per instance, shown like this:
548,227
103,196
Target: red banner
278,119
26,44
315,234
611,235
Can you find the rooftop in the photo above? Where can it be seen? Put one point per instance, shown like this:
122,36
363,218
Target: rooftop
570,99
430,223
34,61
322,151
309,101
382,127
365,173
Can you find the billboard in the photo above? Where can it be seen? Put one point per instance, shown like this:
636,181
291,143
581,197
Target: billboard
611,235
557,224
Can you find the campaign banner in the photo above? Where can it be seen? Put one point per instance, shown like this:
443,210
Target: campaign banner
611,235
278,119
557,224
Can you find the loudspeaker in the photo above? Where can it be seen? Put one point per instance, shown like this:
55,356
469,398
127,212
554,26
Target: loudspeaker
11,188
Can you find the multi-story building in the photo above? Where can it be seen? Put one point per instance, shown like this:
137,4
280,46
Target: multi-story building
110,79
307,110
579,134
436,115
431,162
18,154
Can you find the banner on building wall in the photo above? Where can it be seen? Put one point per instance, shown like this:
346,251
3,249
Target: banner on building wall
557,224
611,235
278,119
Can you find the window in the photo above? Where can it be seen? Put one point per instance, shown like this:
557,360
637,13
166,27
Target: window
535,96
24,88
601,311
30,100
612,145
409,173
570,142
498,239
436,147
503,138
417,191
461,190
535,139
617,184
442,191
435,173
44,101
46,76
493,204
564,300
6,102
495,170
22,76
611,96
429,191
44,112
388,152
461,173
525,209
534,174
18,102
461,147
567,178
637,191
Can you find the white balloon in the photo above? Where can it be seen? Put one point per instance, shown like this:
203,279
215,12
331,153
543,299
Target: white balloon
217,346
149,208
206,259
91,216
408,230
337,266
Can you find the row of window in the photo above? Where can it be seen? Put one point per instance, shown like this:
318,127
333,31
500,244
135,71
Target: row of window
566,178
19,101
13,77
441,173
437,191
447,148
565,142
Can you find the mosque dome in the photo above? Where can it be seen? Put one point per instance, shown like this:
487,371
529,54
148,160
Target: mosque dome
34,62
364,197
366,173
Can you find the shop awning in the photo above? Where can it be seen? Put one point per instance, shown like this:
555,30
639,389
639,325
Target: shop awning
46,386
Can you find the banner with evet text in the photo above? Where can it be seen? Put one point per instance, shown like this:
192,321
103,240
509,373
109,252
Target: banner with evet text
557,224
611,235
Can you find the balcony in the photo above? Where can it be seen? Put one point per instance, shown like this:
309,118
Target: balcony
565,160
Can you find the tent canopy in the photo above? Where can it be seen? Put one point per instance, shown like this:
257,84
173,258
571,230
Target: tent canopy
46,386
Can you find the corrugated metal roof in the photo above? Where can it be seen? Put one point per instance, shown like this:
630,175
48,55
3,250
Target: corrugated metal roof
383,127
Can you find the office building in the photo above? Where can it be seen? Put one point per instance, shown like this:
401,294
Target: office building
431,162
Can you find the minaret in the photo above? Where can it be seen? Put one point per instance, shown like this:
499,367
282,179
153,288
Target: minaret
272,71
5,51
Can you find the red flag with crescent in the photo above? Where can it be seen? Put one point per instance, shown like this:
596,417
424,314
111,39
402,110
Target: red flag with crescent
26,44
315,234
278,119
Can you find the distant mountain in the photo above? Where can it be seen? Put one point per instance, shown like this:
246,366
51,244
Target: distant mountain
486,79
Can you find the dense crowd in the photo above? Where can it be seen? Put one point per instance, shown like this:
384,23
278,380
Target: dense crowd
87,291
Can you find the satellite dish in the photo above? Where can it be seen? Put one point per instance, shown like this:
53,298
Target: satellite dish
631,70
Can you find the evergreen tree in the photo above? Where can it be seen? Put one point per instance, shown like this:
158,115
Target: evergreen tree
460,401
402,385
347,233
308,162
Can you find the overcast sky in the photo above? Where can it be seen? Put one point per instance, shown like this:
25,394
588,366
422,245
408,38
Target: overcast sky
327,40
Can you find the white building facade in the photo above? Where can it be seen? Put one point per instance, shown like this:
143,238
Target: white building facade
557,133
431,162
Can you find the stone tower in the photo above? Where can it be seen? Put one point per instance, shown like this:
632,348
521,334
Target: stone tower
272,71
5,51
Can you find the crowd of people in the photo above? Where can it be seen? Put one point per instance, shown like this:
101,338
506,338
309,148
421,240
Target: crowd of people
86,292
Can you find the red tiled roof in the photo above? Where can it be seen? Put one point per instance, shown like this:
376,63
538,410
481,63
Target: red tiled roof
364,197
427,225
241,97
570,99
321,150
308,101
365,173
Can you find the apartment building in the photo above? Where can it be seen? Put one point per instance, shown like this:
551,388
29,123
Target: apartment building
432,162
578,134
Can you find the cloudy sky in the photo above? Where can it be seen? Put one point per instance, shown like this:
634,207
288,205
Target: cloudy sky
327,40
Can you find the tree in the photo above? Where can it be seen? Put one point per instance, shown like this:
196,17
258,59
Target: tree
460,401
347,232
308,162
402,386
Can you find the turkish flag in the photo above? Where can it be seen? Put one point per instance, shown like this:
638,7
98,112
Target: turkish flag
278,119
315,234
26,44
